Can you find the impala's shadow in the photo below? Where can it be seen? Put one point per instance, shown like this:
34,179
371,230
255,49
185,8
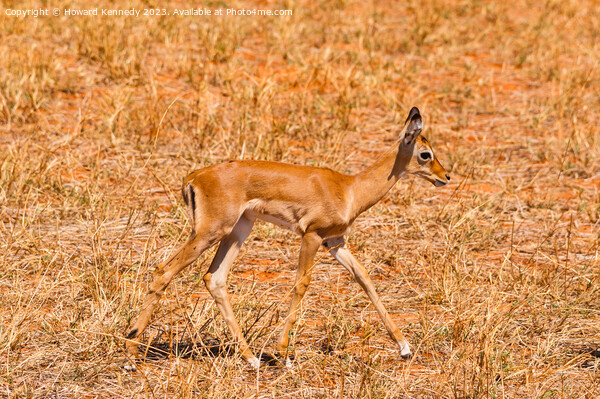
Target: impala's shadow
198,350
593,358
188,350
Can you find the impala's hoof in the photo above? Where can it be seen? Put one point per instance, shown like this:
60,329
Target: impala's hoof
288,363
254,363
405,352
130,367
129,363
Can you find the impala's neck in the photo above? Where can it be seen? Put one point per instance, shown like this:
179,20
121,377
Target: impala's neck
372,184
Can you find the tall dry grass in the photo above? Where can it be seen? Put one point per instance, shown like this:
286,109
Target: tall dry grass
494,278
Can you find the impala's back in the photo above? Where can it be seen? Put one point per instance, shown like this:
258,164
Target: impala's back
295,197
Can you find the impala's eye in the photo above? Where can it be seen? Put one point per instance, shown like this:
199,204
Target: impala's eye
425,156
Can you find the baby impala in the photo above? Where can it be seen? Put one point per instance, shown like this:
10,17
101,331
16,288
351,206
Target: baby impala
319,204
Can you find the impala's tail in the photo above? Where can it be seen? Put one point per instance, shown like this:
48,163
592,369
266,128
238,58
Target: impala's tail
189,197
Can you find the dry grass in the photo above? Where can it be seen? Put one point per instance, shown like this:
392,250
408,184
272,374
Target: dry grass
495,278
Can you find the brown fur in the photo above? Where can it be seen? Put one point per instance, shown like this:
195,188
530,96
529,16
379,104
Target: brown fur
317,203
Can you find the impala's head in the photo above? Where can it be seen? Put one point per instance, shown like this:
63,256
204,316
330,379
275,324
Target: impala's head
423,162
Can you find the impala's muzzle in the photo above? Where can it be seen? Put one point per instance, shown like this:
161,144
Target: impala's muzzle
440,183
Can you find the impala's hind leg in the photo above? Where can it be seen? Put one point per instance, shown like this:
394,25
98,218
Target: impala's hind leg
163,275
216,282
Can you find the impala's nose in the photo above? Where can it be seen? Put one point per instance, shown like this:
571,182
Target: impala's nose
448,176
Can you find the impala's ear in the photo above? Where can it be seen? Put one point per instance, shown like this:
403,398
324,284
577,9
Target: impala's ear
414,128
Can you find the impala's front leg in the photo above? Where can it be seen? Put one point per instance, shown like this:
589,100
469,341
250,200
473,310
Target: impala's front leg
360,274
308,250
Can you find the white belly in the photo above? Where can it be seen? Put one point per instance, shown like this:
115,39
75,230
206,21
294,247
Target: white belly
256,208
